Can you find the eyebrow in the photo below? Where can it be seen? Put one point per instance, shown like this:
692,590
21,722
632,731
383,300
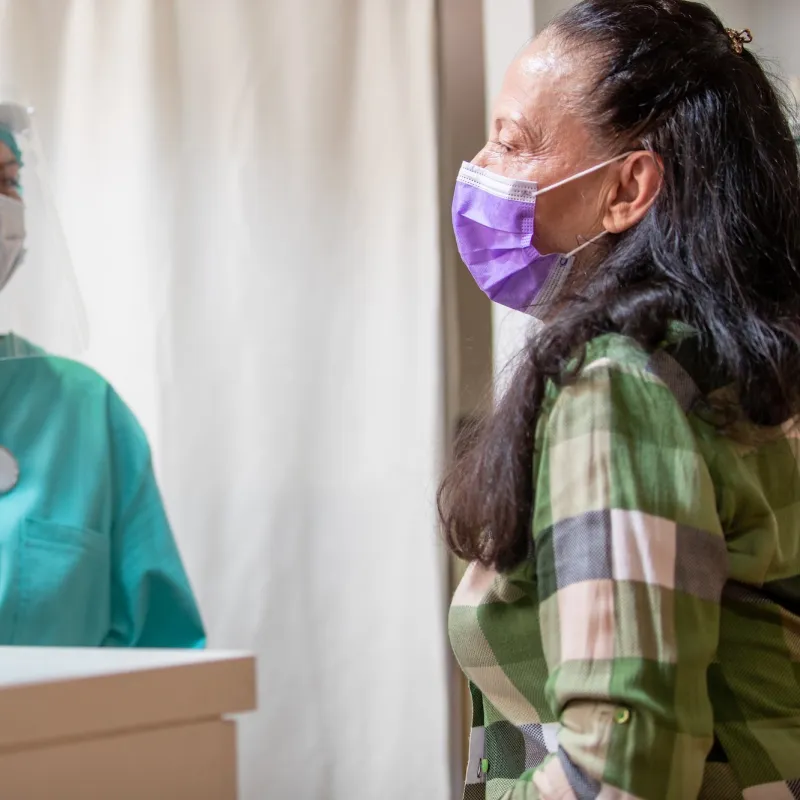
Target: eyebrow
503,119
507,122
528,132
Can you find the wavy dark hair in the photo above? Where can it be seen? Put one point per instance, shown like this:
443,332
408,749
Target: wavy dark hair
719,249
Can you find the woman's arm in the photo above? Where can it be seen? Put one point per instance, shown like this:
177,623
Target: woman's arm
631,562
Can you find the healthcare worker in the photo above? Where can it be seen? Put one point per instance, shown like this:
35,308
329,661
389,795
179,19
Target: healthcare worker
87,557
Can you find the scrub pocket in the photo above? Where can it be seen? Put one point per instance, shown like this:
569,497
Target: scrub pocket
64,586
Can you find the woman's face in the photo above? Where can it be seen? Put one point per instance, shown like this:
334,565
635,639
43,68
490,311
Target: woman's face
9,173
536,135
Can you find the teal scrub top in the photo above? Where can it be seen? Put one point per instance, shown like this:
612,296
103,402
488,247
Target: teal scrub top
87,557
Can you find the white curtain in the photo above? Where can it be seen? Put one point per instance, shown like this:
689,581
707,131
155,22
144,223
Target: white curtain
249,191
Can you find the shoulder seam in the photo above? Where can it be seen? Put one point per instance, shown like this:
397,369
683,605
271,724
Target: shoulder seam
670,372
660,367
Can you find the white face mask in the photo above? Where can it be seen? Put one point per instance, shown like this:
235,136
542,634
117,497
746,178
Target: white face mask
12,237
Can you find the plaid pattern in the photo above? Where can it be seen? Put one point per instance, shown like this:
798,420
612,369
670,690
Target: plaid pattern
651,648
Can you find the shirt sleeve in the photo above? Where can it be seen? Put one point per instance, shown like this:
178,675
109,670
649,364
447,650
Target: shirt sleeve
152,600
631,562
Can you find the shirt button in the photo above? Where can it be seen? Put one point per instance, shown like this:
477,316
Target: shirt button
622,716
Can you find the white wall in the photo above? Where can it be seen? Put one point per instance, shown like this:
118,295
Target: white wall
734,13
547,9
507,26
776,25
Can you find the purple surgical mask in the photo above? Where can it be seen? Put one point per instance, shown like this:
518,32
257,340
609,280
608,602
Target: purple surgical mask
493,219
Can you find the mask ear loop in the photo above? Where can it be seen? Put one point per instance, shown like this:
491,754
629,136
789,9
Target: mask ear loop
556,279
586,244
585,172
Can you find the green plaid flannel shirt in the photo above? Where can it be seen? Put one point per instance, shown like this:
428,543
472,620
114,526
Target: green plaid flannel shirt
651,646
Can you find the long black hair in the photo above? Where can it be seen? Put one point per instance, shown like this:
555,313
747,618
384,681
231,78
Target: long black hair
719,249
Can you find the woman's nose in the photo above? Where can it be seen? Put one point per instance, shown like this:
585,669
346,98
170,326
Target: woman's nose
480,160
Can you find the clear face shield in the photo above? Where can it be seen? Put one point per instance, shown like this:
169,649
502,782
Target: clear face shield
41,311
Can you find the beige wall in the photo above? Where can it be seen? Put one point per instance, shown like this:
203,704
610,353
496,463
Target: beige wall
468,316
462,135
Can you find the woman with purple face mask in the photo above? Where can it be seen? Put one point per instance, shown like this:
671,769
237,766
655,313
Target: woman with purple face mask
630,620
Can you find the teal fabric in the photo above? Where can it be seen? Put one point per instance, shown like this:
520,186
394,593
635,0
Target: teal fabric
87,557
8,138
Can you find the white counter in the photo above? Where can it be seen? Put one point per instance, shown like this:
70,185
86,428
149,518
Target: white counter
112,724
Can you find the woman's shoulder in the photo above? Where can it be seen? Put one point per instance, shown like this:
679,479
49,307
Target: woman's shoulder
619,355
617,352
625,373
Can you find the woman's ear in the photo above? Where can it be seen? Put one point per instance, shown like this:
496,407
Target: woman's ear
638,182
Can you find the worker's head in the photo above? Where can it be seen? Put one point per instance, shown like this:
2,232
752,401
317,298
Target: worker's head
39,296
12,211
10,164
